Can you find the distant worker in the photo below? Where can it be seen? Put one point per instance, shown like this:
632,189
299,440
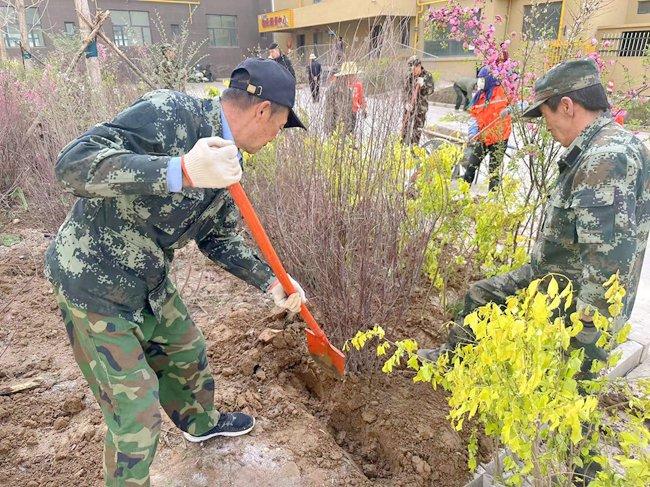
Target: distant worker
464,87
494,124
418,86
276,54
339,51
345,100
168,70
314,71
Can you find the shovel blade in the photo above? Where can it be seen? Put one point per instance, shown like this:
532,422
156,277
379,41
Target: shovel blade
323,352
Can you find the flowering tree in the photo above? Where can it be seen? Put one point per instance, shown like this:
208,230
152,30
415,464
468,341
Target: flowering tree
536,152
465,25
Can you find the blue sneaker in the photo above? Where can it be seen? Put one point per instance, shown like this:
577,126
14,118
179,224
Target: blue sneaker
229,424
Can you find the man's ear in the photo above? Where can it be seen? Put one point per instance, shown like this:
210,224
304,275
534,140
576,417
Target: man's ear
264,109
567,106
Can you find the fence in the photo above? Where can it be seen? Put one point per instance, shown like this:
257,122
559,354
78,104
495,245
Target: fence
558,50
625,44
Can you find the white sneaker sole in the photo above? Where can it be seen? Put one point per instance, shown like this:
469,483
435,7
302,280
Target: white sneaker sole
199,439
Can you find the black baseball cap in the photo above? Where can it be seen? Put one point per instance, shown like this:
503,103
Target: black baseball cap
273,45
268,80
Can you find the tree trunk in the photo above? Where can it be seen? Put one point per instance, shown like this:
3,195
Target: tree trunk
21,13
92,63
3,49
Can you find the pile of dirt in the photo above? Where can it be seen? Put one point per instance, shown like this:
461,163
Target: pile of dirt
370,430
443,95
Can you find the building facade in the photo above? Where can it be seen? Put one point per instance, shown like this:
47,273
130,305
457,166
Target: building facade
315,25
230,27
306,26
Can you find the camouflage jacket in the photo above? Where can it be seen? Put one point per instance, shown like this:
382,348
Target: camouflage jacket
598,216
421,103
113,252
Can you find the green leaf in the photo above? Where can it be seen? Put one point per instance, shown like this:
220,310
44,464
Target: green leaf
413,362
532,287
568,302
425,373
552,288
623,333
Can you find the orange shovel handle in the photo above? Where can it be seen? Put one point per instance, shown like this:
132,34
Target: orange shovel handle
263,242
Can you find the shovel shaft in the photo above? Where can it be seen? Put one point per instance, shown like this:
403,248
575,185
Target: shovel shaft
263,242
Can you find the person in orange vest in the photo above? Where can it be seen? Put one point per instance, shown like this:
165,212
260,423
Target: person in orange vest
345,100
494,123
619,114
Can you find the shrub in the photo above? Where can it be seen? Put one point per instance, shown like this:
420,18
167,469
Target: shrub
64,106
473,236
523,381
338,213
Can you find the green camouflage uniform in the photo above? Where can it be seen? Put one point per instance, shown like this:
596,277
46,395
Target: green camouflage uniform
413,121
169,75
131,333
596,223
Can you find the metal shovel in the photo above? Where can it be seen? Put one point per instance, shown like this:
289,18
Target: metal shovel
318,345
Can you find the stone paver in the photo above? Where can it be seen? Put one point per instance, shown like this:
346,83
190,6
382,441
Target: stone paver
641,334
640,371
630,359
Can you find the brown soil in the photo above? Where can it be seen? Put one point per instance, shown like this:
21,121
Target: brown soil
311,430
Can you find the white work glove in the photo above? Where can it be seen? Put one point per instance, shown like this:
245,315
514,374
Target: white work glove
291,303
213,162
420,81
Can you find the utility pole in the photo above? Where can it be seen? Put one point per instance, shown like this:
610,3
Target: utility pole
4,20
92,61
21,13
3,50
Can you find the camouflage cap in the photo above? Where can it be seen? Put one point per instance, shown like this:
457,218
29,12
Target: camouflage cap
565,77
414,61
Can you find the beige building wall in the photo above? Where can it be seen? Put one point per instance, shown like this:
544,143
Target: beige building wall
613,19
353,19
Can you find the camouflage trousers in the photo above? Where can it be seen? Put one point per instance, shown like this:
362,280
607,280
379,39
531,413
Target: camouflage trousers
495,290
412,125
132,370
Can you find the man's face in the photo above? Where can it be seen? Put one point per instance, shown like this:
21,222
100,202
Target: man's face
262,126
416,70
274,53
560,121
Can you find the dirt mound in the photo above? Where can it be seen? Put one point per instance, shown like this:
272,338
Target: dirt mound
311,431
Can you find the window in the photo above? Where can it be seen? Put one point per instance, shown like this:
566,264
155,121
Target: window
222,30
643,7
542,21
70,28
405,31
176,30
445,48
634,43
12,32
130,28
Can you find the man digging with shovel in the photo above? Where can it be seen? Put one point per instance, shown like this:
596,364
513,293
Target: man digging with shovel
148,182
